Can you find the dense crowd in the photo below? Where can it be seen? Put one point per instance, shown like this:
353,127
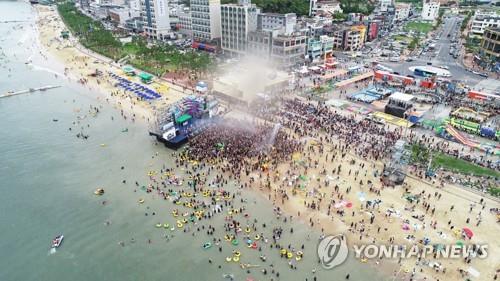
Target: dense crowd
238,142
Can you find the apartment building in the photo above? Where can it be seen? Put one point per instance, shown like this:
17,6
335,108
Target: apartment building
205,20
483,20
184,24
430,10
156,21
237,21
285,23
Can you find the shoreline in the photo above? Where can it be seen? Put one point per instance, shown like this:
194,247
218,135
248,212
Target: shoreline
80,62
78,69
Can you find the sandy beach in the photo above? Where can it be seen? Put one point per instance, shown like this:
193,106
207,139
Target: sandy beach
81,65
440,211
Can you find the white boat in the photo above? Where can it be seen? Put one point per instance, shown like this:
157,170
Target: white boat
56,242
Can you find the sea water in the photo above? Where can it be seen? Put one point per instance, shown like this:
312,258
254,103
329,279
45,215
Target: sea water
48,175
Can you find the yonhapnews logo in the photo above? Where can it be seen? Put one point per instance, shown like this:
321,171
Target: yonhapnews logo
332,251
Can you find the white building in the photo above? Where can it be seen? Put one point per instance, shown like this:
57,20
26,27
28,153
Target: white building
134,5
384,5
156,22
237,20
483,20
326,7
284,23
430,10
402,11
205,20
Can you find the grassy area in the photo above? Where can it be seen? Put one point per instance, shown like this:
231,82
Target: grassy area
401,38
422,27
462,166
415,3
156,59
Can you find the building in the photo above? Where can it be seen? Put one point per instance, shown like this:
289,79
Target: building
206,20
134,24
321,48
259,43
483,20
349,38
384,5
373,27
490,46
156,22
84,4
237,20
353,40
326,7
284,23
119,16
184,24
135,5
430,10
402,11
288,51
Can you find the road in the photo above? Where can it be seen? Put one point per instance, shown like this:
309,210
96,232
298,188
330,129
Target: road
443,45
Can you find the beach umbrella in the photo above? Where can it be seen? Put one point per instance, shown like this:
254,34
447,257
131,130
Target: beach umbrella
460,243
348,205
302,177
405,227
468,232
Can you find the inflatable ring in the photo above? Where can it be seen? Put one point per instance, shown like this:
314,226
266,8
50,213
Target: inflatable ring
407,270
235,242
236,259
299,253
179,224
227,237
257,237
172,228
237,253
364,260
141,201
158,225
298,258
228,259
166,225
207,245
247,230
289,255
254,245
178,203
283,251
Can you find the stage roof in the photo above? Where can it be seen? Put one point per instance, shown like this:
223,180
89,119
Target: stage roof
401,97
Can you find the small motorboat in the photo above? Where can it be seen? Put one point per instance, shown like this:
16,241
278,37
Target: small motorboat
99,191
56,242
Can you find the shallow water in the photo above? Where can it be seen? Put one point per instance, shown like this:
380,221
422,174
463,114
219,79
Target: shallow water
48,177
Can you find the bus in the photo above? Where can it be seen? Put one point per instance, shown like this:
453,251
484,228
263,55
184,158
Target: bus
424,72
